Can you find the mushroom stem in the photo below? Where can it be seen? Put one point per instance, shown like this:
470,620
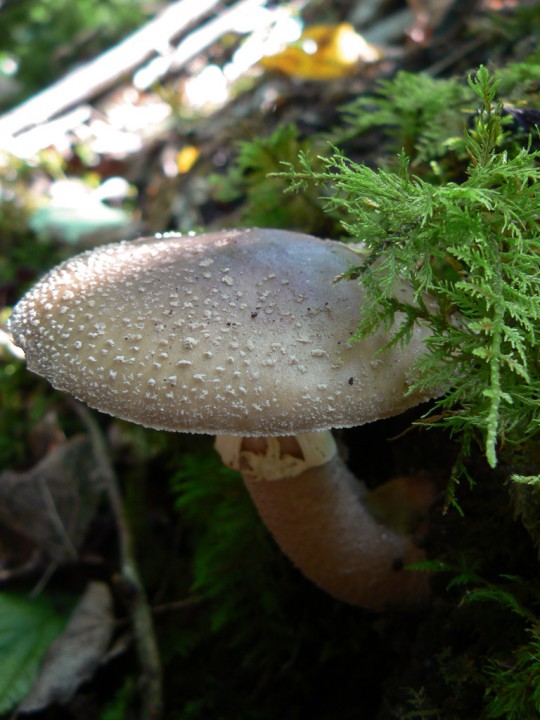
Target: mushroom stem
320,520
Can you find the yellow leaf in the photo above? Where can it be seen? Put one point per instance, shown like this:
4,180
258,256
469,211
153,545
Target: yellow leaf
323,52
186,158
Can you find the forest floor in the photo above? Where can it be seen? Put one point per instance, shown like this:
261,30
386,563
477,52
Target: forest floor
162,595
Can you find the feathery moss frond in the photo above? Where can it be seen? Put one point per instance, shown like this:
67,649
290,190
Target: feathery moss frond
474,249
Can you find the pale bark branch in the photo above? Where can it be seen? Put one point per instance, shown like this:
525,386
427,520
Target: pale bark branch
98,74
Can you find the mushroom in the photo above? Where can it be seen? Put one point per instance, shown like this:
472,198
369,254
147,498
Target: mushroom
242,334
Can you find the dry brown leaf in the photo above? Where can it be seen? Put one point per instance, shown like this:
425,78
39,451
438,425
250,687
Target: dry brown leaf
75,655
53,503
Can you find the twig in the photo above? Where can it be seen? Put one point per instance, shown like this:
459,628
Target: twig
243,14
141,616
176,605
98,74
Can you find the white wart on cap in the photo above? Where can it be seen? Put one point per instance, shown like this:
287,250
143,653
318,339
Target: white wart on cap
238,332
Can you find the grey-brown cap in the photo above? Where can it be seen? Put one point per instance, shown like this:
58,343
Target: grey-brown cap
235,332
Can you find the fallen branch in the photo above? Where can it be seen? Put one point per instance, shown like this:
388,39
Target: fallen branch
25,130
98,74
242,15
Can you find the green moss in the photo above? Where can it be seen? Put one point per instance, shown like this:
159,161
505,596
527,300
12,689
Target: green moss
225,525
124,703
251,179
472,247
514,689
415,112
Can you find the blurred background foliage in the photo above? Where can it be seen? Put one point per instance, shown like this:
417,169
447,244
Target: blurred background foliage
40,39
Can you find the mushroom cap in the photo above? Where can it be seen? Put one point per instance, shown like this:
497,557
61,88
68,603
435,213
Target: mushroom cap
241,332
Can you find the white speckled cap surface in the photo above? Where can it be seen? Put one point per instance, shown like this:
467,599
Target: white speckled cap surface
235,332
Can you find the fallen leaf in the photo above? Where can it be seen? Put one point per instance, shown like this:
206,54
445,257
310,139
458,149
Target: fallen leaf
323,52
75,655
53,503
186,158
